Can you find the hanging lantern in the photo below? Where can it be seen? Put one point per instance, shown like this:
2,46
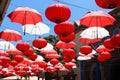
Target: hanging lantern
115,40
104,56
18,58
39,43
68,38
67,59
107,43
58,13
13,63
33,56
85,49
54,61
6,60
69,53
108,4
28,52
23,46
69,65
64,28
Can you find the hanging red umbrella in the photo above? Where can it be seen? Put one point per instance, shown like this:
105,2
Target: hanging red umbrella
10,35
61,44
13,52
97,18
57,13
64,28
2,53
25,15
108,4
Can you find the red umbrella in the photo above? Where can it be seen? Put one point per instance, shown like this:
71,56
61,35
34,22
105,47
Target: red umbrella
61,44
2,53
97,18
14,52
25,15
10,35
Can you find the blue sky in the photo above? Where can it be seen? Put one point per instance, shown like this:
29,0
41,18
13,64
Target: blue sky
78,9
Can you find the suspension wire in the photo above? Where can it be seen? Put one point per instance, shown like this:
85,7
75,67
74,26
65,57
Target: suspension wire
74,5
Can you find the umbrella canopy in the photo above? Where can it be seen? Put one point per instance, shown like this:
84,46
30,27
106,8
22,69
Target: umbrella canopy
97,18
10,35
14,52
4,45
93,34
38,29
25,15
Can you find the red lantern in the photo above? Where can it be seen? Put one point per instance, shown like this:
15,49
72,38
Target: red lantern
29,51
115,40
108,4
67,59
85,49
107,43
39,43
57,13
42,64
104,56
67,38
6,60
69,53
13,63
23,46
64,28
69,65
54,61
26,68
18,58
33,56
